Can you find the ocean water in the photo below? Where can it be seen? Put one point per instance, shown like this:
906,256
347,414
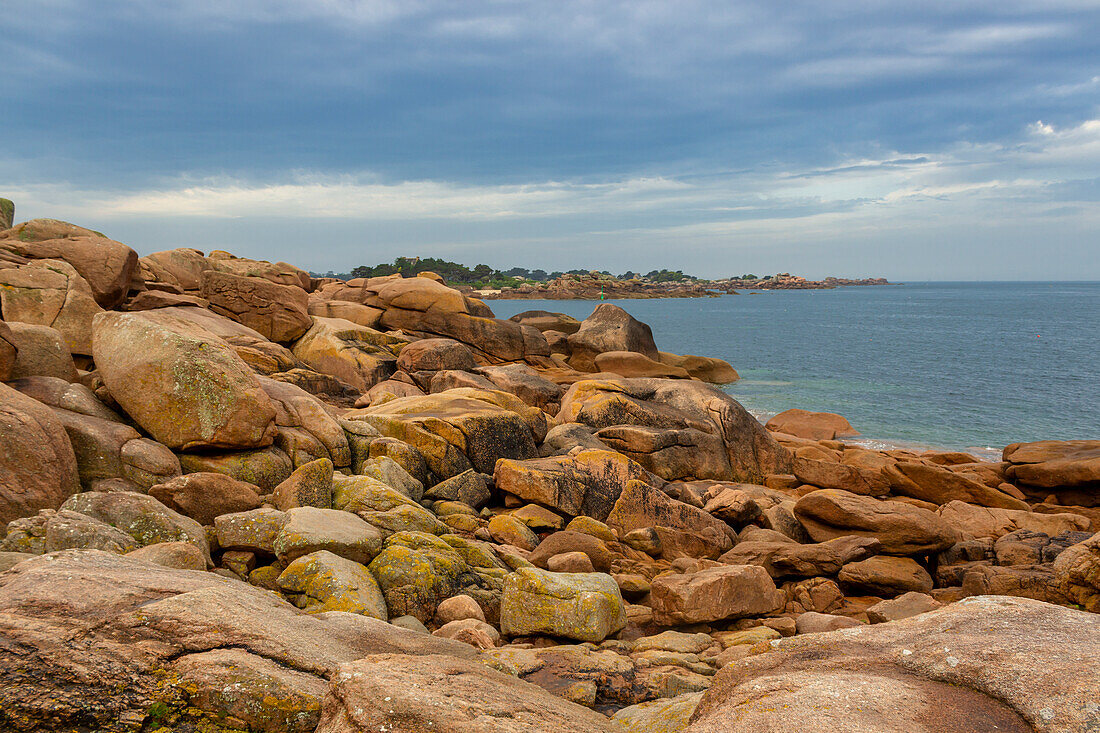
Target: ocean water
967,366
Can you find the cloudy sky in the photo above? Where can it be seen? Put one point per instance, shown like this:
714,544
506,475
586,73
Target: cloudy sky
943,139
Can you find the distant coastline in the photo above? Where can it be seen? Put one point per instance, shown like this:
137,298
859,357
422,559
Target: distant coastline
599,286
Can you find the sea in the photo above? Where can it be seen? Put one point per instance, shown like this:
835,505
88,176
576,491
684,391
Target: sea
968,366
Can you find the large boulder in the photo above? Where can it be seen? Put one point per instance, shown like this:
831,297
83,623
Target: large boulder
713,594
180,267
92,639
687,410
356,355
107,266
279,273
459,429
525,383
928,482
633,364
902,529
38,468
1069,469
582,606
310,529
1077,573
50,293
972,522
985,663
279,312
181,383
417,570
265,467
586,482
703,368
110,452
609,328
547,321
434,355
206,496
833,475
322,581
811,425
406,694
783,558
640,506
304,428
425,308
42,352
140,516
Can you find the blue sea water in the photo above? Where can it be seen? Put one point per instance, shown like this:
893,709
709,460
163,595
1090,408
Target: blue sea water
970,366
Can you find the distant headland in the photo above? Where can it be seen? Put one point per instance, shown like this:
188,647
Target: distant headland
519,283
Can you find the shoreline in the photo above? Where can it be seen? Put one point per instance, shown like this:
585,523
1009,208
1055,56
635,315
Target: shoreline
229,453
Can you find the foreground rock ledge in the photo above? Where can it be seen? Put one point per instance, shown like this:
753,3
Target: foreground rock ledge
987,663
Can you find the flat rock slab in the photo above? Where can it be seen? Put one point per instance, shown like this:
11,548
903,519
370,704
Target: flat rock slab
985,663
402,694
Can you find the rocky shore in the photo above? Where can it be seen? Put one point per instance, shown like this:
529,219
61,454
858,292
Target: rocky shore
234,497
597,286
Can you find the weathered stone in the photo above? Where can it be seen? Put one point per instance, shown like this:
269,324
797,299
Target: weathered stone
42,351
403,694
904,606
391,473
583,606
38,468
812,425
457,430
1077,573
641,505
309,529
417,571
260,693
525,383
178,555
327,582
182,384
265,468
978,665
206,496
50,293
713,594
588,482
932,483
359,356
92,638
107,266
703,368
832,475
1070,467
254,530
609,328
306,430
668,715
279,312
813,622
976,521
885,575
468,487
679,405
309,485
901,528
140,516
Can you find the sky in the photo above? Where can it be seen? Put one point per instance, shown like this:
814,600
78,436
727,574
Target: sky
939,140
